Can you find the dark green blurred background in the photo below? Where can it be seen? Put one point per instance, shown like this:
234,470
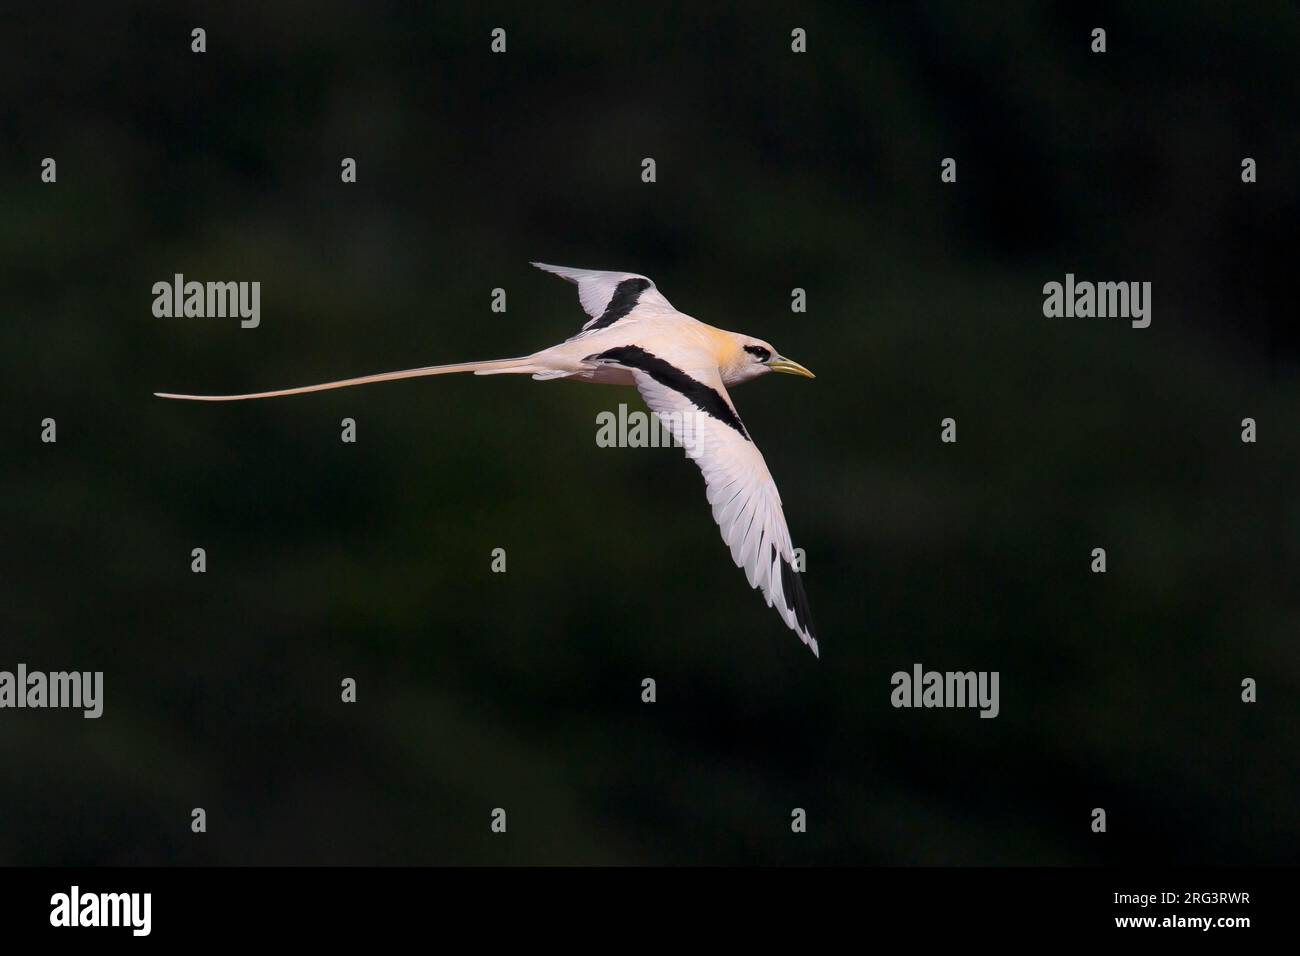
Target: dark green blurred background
522,690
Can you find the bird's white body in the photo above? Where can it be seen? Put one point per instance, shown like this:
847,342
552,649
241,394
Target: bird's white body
682,368
679,339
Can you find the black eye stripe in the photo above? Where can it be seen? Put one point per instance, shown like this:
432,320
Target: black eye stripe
758,352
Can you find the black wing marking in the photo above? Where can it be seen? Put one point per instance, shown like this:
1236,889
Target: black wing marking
626,295
707,399
610,296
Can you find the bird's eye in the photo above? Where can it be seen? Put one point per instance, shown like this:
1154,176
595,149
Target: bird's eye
758,352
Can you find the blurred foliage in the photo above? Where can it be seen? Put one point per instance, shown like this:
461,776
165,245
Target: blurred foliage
521,690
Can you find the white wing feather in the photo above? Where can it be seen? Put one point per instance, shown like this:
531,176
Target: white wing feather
596,291
746,504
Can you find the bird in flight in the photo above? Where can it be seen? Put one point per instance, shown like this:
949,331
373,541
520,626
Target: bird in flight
682,369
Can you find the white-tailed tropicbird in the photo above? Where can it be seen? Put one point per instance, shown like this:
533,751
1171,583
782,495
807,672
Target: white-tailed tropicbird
682,368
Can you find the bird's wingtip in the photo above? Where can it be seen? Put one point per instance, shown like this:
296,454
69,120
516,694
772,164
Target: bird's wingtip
564,272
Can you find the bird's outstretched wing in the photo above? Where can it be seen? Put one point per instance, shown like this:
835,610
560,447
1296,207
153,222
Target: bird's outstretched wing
610,296
695,406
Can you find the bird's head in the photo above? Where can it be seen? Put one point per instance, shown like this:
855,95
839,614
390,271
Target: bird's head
751,357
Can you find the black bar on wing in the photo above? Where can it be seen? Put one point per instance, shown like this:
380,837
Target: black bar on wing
707,399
